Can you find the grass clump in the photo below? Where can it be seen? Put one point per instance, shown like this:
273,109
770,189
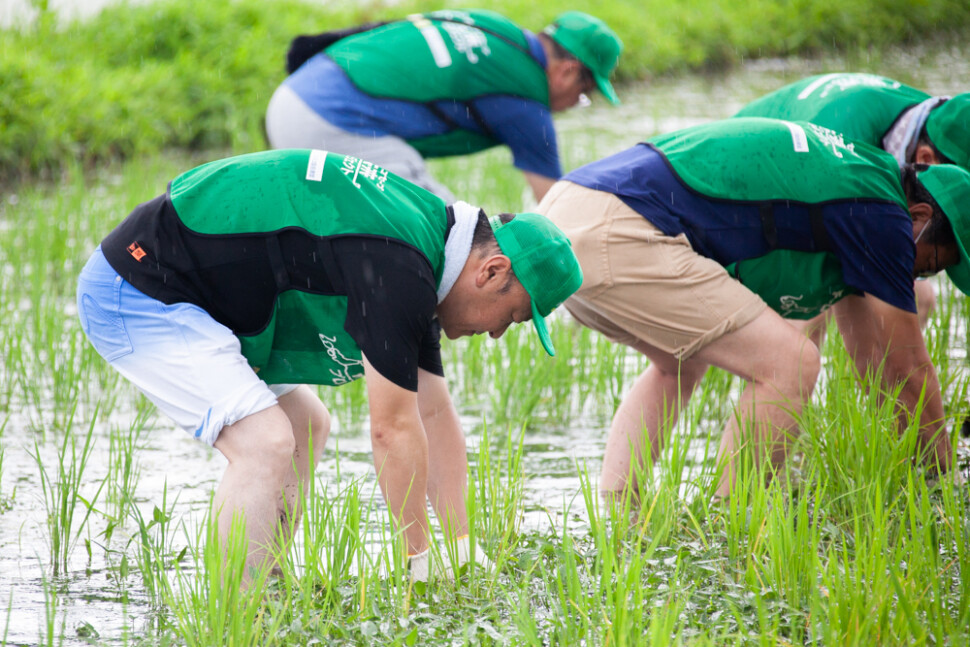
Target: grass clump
177,73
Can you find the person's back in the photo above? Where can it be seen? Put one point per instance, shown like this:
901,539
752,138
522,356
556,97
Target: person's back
784,197
860,106
913,126
439,84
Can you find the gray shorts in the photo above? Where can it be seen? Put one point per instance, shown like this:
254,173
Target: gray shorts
291,123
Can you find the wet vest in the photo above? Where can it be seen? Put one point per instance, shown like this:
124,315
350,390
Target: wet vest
860,106
772,163
444,56
326,195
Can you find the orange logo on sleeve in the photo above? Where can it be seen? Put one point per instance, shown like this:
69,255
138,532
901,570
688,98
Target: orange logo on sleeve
136,251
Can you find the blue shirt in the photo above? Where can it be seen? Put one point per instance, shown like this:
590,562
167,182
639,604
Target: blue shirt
524,125
872,240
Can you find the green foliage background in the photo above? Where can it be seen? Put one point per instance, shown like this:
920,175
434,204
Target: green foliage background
195,75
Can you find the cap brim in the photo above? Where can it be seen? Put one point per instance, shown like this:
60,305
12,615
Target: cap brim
607,89
542,330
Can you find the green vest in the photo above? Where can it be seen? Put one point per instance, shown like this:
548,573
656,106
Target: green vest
860,106
326,195
444,56
783,162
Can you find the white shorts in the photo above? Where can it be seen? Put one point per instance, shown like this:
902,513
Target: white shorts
181,358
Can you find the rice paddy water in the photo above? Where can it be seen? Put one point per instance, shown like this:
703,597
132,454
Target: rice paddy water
103,506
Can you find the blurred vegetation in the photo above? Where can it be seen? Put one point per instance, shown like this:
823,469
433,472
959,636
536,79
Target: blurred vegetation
196,75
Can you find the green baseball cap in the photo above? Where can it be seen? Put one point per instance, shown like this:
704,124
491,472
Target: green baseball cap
543,261
593,43
950,187
949,129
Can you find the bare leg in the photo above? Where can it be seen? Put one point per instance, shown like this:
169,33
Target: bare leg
260,451
813,328
925,301
307,415
650,409
782,368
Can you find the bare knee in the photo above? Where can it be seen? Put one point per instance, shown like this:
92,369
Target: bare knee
800,371
309,417
925,301
275,454
319,429
262,444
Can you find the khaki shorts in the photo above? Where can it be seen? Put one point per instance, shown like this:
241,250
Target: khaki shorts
640,285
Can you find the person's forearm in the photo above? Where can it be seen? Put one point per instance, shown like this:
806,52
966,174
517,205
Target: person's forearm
401,461
922,383
448,471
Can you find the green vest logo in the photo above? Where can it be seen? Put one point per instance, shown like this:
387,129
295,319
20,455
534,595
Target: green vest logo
350,369
465,39
833,140
789,304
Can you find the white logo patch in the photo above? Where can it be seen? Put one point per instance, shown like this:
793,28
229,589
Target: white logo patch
798,138
314,169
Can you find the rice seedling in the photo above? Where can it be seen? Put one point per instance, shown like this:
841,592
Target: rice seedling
62,496
207,601
52,631
155,554
123,469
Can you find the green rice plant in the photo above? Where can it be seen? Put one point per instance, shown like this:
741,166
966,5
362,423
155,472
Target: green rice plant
155,553
6,624
332,544
495,492
62,494
123,469
951,595
347,403
12,351
6,501
207,602
794,532
52,632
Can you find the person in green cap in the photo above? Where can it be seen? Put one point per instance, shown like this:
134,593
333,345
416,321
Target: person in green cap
443,83
254,276
911,125
696,253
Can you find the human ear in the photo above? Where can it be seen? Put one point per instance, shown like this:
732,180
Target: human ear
925,155
494,266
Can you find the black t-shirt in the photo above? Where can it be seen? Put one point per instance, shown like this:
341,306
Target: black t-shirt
389,285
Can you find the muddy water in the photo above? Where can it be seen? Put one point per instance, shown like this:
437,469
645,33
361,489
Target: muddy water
90,593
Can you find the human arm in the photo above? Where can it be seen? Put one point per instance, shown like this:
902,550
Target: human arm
400,448
448,462
540,184
877,333
526,127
